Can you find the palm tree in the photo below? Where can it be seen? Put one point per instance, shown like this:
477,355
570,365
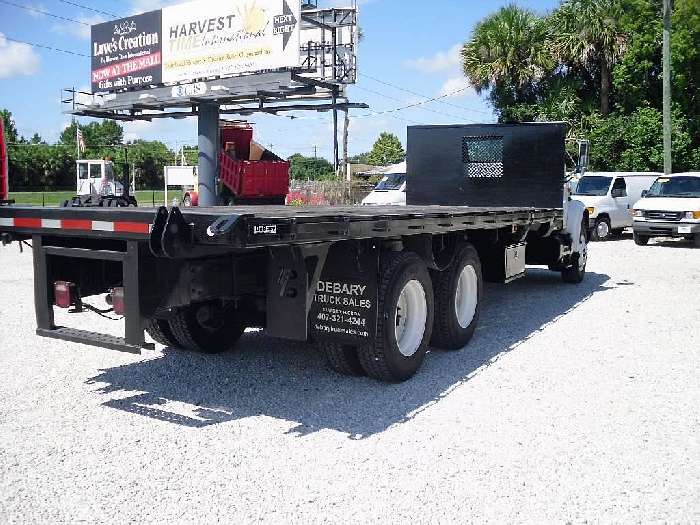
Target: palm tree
588,34
508,54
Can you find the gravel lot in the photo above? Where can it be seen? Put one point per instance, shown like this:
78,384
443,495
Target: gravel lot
571,404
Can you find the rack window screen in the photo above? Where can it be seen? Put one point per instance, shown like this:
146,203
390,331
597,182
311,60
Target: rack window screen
483,157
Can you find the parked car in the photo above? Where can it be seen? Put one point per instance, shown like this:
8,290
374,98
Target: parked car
391,190
671,208
609,197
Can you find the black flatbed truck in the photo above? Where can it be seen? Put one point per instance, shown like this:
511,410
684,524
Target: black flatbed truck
373,286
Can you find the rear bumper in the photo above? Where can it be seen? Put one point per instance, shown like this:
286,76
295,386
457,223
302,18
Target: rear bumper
665,229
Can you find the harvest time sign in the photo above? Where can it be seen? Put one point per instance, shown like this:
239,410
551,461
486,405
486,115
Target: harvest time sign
195,40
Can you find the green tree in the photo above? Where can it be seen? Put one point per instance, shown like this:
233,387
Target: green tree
97,136
506,56
362,158
588,34
310,168
148,159
9,125
386,150
635,142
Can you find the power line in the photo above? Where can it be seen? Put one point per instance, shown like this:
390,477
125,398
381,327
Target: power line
42,12
414,105
422,95
437,112
90,8
45,47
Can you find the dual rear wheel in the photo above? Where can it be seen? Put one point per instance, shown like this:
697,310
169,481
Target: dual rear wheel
207,328
415,309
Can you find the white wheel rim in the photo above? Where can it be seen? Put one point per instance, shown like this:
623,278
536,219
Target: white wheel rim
466,296
603,230
410,317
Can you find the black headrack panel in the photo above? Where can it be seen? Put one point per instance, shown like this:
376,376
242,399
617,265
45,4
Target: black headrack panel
487,165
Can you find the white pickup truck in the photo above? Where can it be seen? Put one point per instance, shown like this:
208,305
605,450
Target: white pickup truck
671,208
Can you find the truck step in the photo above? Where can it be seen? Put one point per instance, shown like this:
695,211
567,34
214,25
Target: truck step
94,339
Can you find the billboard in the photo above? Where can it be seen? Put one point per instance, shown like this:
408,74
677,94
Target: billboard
126,53
196,40
205,39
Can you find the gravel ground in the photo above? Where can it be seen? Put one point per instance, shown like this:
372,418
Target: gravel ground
571,404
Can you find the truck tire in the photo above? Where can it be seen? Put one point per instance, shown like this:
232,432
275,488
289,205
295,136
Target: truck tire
404,319
342,358
575,272
160,332
209,328
458,293
640,240
601,230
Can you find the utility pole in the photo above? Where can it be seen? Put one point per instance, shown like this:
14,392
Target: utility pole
668,8
346,126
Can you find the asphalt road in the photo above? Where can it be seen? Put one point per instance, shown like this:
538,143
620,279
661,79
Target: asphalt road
571,404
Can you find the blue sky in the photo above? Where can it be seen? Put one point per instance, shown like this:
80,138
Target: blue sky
407,43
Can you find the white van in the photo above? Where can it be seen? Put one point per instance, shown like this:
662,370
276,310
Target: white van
391,190
609,197
671,208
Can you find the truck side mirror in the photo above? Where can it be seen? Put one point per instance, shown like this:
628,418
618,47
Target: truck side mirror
644,193
617,192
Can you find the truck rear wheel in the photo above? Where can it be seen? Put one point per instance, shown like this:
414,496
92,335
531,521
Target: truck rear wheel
342,358
404,319
210,328
160,332
458,292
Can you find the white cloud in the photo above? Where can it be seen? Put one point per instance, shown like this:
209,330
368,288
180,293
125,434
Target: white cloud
440,62
36,14
78,30
457,85
17,59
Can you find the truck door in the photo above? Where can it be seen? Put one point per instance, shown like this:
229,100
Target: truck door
83,179
620,216
95,177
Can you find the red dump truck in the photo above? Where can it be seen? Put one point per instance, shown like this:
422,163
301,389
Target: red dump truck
248,172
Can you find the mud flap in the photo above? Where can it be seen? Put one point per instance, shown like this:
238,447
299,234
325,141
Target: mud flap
345,302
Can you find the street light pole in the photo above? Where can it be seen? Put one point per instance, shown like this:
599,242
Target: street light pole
668,7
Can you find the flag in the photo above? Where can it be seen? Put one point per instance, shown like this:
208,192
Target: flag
79,139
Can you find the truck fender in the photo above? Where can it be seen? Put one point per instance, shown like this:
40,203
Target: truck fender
575,213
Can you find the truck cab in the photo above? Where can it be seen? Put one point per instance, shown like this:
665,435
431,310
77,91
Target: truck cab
96,177
671,208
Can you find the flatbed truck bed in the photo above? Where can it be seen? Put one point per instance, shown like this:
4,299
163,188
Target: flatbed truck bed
196,278
256,226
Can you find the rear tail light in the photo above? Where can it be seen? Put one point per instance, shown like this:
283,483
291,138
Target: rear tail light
65,294
118,300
